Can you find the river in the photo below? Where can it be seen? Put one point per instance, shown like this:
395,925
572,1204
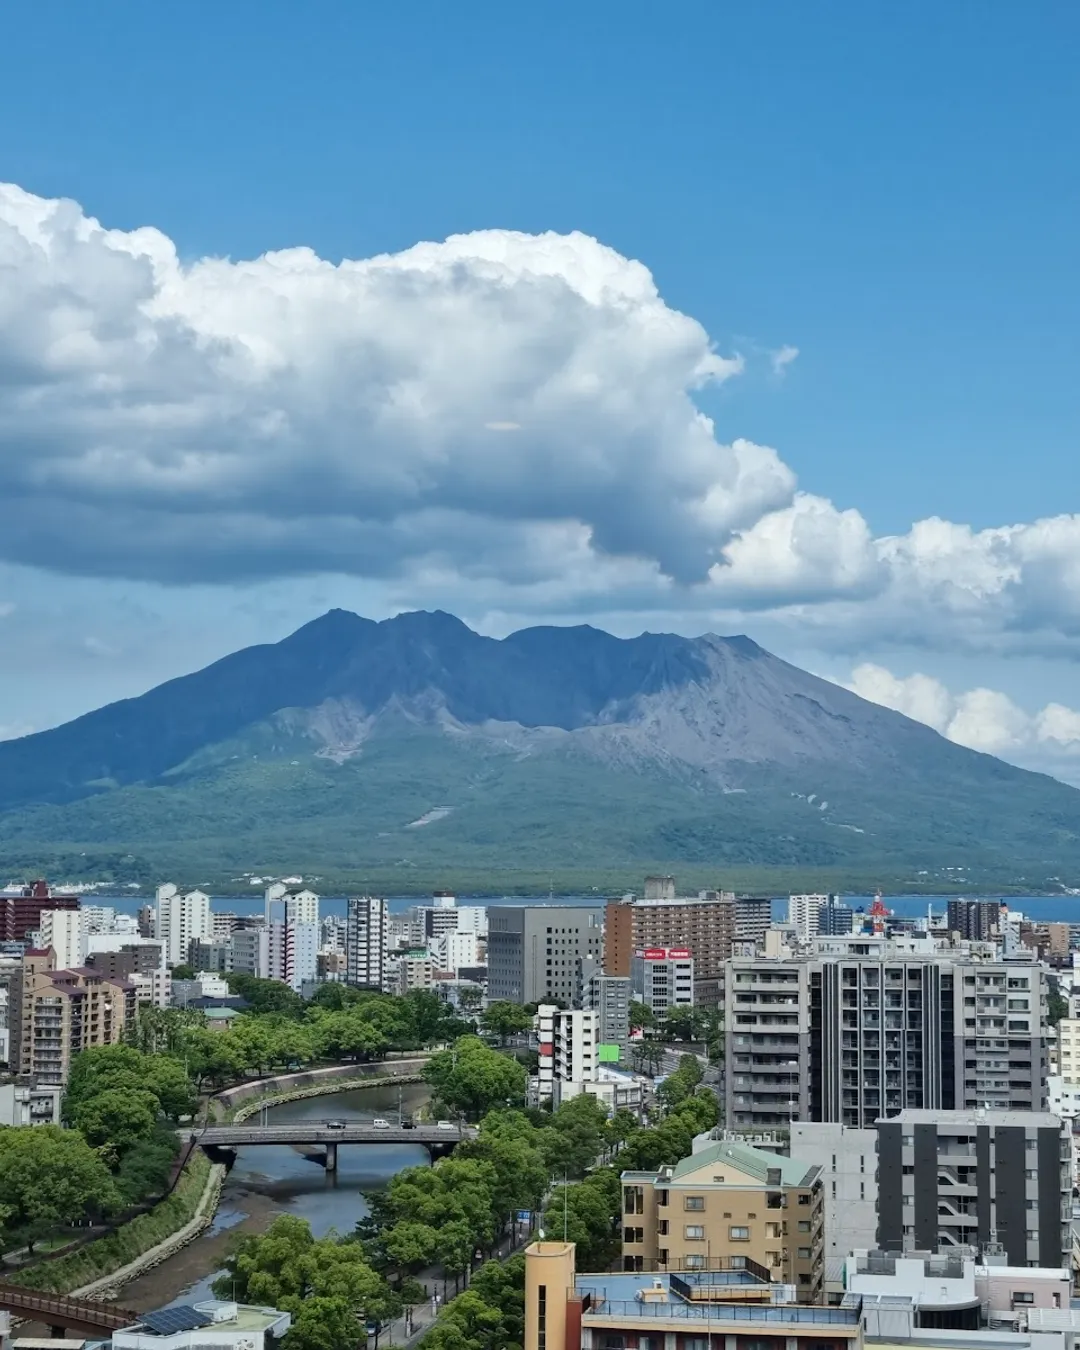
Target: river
271,1180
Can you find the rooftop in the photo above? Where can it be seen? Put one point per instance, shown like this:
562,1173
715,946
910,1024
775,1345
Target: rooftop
756,1162
1031,1120
638,1296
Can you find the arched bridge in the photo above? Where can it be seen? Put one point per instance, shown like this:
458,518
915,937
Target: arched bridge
317,1133
66,1314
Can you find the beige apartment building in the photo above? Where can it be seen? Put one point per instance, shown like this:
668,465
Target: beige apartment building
57,1013
729,1207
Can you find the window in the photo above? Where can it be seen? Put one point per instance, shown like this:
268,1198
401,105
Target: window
1023,1296
804,1253
693,1202
738,1233
695,1343
661,1197
633,1235
633,1200
804,1198
541,1317
695,1262
694,1232
662,1228
737,1262
804,1225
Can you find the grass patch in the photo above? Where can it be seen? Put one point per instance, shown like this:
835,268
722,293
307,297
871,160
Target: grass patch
111,1253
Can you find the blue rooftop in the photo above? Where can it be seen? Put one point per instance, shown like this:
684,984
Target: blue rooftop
627,1295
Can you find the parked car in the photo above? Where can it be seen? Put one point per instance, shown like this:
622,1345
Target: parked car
381,1124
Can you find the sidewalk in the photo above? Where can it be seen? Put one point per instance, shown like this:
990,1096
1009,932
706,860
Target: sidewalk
423,1314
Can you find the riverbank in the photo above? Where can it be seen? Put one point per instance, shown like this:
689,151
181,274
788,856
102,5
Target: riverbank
103,1264
106,1265
410,1072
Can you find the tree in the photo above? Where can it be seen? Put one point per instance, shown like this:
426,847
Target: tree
410,1245
286,1268
470,997
504,1019
183,972
580,1127
50,1177
117,1118
265,996
641,1016
647,1056
472,1078
1058,1005
322,1324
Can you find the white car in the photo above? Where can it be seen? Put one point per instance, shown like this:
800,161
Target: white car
444,1124
380,1124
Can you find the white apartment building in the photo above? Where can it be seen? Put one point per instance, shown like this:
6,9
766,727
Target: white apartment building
153,989
282,905
29,1104
63,931
472,919
457,951
104,919
568,1041
847,1157
292,953
663,979
802,914
365,941
179,919
1065,1051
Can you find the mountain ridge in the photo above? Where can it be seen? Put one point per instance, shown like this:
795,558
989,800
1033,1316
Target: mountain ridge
347,731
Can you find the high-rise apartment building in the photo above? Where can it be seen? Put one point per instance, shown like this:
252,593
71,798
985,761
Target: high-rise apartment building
609,997
663,979
974,920
180,918
992,1180
568,1042
709,924
365,941
282,905
20,914
729,1206
835,919
55,1014
883,1028
802,914
63,931
533,951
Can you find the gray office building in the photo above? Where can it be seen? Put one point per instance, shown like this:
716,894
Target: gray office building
877,1030
533,951
609,995
996,1181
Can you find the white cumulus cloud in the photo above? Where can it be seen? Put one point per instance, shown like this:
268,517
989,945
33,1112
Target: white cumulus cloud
982,719
281,415
498,422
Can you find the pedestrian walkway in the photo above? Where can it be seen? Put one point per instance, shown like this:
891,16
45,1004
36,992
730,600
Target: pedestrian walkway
409,1330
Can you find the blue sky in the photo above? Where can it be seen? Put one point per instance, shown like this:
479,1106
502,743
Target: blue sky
892,191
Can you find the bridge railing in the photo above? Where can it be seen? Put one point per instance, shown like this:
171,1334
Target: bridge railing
107,1315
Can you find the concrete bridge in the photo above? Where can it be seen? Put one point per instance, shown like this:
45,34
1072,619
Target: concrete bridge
60,1313
320,1134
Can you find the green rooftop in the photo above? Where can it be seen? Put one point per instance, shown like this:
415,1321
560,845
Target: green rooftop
755,1162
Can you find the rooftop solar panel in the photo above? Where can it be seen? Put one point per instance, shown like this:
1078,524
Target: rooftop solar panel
168,1321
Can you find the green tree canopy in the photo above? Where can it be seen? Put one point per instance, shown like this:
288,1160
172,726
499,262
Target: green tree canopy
50,1177
472,1078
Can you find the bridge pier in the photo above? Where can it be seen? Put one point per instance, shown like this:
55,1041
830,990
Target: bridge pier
331,1157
